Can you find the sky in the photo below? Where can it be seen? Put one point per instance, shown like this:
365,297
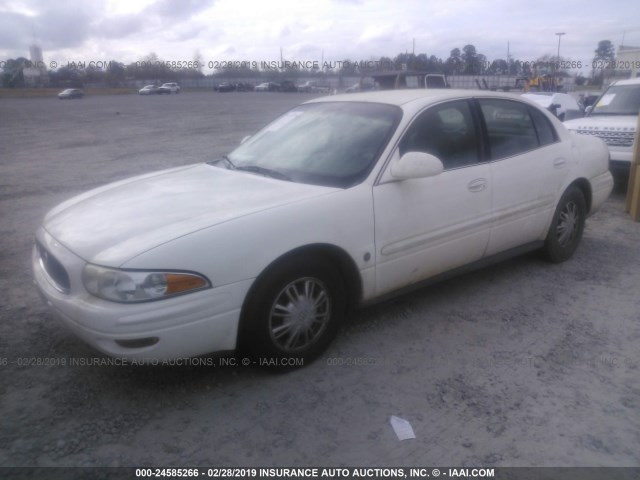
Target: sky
307,31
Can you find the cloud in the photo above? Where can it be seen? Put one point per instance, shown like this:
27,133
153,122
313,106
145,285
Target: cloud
178,10
377,33
14,27
189,32
60,24
120,26
330,29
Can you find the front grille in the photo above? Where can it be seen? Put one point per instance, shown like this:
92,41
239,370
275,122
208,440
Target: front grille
54,269
611,138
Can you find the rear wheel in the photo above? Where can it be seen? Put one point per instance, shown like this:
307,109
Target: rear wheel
567,226
293,314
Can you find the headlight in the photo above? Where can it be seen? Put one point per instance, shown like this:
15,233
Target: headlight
139,286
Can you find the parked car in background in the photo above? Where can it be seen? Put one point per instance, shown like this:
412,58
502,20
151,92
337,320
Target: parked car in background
401,79
244,87
361,86
339,202
288,86
149,90
314,87
614,119
169,88
71,93
562,105
267,87
588,99
225,87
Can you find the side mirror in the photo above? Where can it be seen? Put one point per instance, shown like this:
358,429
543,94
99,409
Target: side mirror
245,139
587,110
416,165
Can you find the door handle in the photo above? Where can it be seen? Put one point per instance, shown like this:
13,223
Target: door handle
477,185
559,163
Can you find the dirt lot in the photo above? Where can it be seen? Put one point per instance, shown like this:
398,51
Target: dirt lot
521,364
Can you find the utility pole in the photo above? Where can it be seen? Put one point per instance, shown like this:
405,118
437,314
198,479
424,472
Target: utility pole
558,58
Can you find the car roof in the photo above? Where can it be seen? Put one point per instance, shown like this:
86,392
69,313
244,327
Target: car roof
405,97
540,94
631,81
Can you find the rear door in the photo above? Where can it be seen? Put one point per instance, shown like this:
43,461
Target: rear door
528,167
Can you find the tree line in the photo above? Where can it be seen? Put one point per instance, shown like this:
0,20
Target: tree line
461,61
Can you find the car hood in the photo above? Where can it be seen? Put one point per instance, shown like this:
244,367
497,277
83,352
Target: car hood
542,100
604,122
114,223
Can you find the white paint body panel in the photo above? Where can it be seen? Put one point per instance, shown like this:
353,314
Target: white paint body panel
426,226
526,189
230,225
601,125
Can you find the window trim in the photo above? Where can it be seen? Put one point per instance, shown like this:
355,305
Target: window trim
556,137
478,133
478,100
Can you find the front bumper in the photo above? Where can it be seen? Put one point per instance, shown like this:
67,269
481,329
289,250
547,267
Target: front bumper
183,326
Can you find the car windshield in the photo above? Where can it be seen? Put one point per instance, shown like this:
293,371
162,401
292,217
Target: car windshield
330,144
618,100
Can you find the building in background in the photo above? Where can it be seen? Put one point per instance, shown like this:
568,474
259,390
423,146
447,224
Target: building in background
36,74
628,61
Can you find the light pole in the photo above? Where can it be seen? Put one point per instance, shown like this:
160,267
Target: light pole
560,34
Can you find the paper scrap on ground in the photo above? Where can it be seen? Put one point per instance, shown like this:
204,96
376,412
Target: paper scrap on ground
402,428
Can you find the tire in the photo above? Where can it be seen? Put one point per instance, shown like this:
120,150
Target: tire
307,292
567,226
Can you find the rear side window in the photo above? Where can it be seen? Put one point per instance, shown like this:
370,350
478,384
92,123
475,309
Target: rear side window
509,126
544,129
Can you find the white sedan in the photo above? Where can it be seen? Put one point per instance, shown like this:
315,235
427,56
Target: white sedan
149,90
562,105
341,201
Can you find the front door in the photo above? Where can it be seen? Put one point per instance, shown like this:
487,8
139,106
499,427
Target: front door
426,226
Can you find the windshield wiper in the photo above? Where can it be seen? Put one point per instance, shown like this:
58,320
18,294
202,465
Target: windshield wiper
265,171
226,160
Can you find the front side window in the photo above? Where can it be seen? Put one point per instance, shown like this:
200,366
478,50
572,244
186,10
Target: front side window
446,131
326,143
509,127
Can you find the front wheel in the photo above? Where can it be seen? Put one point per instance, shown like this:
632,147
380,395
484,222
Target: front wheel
293,314
567,226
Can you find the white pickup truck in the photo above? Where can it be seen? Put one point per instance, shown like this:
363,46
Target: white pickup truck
614,118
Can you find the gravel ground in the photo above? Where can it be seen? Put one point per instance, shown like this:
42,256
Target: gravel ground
521,364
